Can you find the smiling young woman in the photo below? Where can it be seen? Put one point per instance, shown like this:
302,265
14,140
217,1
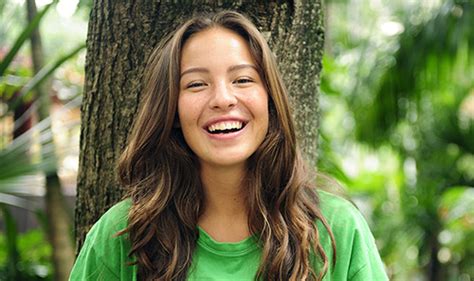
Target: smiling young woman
223,102
218,190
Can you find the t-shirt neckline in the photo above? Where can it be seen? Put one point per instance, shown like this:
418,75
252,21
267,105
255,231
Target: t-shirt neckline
228,249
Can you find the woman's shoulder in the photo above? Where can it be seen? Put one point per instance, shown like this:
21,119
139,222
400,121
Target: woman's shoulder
105,253
115,219
118,213
357,257
342,216
337,209
104,232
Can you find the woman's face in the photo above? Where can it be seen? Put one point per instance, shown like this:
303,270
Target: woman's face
223,104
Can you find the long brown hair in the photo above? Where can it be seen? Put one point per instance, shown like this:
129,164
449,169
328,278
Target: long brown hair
162,173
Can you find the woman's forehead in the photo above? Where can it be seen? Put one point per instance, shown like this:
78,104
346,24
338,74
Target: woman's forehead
213,47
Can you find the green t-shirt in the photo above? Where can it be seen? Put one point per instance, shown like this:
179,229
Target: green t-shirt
104,255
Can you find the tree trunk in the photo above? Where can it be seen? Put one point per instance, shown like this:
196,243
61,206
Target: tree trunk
120,38
433,268
58,218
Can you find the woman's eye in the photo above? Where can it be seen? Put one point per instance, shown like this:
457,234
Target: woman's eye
196,85
243,81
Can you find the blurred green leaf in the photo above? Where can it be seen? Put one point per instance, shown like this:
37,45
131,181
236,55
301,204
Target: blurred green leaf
42,75
11,234
458,203
25,35
16,168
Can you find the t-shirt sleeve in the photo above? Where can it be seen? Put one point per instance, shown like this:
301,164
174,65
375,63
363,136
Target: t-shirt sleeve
104,255
366,263
357,257
91,265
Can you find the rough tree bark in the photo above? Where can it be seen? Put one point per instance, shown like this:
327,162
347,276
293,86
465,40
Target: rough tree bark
120,38
58,216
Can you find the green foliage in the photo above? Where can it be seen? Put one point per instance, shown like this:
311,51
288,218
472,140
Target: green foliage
34,255
25,256
25,35
432,58
400,108
45,73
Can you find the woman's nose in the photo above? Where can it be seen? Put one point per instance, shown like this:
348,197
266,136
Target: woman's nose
223,97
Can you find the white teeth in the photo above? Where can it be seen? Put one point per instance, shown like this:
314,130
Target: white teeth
226,125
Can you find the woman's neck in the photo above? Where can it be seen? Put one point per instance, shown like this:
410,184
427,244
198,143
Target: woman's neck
225,206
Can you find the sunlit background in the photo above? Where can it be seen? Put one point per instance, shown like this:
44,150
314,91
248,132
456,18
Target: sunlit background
397,128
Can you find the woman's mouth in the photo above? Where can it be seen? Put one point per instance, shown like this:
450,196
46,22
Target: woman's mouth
225,127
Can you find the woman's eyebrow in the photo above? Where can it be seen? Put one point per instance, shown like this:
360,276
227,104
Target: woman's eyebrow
231,69
240,66
195,69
